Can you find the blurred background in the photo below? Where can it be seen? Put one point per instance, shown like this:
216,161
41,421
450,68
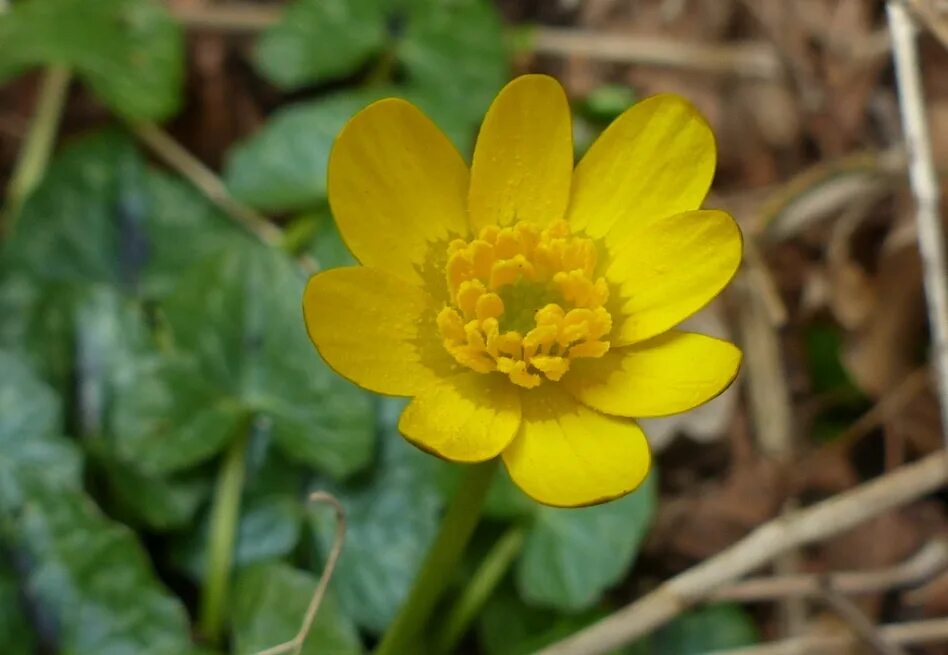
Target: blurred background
163,416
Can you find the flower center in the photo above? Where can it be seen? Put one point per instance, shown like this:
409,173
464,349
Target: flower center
524,302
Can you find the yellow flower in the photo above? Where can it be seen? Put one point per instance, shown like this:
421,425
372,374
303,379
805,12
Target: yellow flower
528,307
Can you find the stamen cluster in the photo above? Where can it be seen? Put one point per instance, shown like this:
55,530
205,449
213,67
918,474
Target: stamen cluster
503,316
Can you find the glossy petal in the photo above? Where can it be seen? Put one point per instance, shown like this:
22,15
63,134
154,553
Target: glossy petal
669,269
671,373
655,160
396,185
375,329
469,417
568,455
523,160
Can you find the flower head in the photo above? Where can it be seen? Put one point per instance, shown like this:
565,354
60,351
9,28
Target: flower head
527,307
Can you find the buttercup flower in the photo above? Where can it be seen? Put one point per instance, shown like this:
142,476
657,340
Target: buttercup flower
527,307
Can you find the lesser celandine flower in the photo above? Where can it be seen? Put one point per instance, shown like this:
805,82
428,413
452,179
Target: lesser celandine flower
527,307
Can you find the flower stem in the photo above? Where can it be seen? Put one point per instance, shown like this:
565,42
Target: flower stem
457,526
225,512
491,571
39,141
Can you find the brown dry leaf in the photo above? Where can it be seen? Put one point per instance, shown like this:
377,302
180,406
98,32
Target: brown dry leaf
931,599
826,472
882,350
853,294
709,519
918,422
879,543
828,623
849,82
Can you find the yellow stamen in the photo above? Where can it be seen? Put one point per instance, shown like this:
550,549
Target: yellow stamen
538,265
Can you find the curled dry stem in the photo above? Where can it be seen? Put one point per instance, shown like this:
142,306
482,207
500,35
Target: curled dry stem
295,645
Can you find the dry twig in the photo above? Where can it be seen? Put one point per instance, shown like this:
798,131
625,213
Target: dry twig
858,622
755,60
929,17
177,157
892,402
905,634
227,17
924,181
772,414
928,562
784,533
295,645
39,142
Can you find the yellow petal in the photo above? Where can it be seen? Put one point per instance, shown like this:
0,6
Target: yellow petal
655,160
669,269
375,329
523,160
396,185
469,417
568,455
671,373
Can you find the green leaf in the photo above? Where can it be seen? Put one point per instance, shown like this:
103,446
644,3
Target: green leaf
604,104
269,527
95,579
506,502
271,511
173,418
159,503
571,556
270,602
283,167
326,245
508,627
31,450
318,40
391,518
131,52
450,60
183,228
109,340
704,630
455,60
16,633
239,315
101,216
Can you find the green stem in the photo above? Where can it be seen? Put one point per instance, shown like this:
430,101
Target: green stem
39,141
456,529
225,512
491,571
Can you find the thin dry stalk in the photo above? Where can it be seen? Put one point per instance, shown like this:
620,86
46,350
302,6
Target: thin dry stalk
925,564
859,623
764,284
930,19
765,376
780,535
754,60
772,415
924,182
178,158
905,634
890,404
39,142
227,17
295,645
